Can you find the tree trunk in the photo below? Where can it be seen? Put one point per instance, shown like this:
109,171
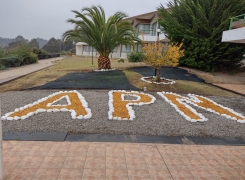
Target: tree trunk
104,63
158,78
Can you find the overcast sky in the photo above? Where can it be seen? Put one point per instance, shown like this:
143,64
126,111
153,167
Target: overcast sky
47,18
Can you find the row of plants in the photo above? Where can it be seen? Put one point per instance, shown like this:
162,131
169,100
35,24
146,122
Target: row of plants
21,55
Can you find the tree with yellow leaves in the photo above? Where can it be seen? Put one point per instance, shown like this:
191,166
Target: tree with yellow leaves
158,55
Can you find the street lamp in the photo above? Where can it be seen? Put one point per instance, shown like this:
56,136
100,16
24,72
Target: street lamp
92,56
158,33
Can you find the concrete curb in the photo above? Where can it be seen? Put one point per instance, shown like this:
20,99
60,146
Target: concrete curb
58,136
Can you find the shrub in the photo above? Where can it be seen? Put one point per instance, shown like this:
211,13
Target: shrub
47,56
69,53
159,55
11,61
2,67
120,60
29,59
136,57
38,51
1,52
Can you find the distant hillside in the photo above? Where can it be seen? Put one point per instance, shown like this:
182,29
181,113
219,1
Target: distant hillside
41,42
6,41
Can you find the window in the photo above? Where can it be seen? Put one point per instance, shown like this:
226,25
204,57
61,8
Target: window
86,48
94,50
126,48
144,27
139,48
154,29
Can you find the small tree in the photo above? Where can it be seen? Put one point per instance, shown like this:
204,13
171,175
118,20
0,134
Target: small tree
157,55
136,56
92,27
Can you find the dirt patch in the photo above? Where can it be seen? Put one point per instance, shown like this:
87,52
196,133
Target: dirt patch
180,87
218,77
168,73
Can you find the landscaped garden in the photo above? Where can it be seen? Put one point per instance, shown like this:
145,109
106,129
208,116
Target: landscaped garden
153,97
151,113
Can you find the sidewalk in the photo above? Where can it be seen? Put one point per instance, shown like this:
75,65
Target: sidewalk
15,73
239,88
40,160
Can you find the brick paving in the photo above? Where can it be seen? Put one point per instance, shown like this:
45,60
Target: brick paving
90,160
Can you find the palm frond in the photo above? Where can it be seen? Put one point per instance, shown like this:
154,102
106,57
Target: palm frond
104,35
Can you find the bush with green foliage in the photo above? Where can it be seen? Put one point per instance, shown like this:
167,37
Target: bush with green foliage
69,53
199,24
31,58
136,57
11,61
120,60
21,55
2,67
1,52
26,53
47,56
38,51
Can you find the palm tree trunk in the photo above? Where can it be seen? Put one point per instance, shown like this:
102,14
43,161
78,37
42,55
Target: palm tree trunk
104,63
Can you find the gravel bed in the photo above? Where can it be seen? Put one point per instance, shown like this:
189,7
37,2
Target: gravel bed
155,119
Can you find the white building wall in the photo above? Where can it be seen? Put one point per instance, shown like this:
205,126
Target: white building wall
234,35
79,50
116,54
86,53
124,55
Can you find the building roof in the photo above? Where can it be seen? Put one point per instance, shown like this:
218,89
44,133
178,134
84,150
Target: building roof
143,18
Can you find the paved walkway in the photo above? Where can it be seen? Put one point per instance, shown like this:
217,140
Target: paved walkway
41,160
14,73
240,88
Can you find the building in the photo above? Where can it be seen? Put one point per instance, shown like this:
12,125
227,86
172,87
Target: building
236,32
146,26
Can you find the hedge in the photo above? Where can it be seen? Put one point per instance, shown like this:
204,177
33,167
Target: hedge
47,56
11,61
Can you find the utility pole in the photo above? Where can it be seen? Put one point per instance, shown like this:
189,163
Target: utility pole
158,41
92,56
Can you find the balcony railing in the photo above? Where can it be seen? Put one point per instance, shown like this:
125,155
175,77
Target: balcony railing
149,32
237,22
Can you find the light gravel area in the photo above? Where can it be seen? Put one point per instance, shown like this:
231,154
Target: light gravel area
155,119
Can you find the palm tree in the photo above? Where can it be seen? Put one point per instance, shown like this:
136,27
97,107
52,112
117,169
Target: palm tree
104,35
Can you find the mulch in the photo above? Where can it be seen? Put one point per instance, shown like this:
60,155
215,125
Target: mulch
169,73
115,80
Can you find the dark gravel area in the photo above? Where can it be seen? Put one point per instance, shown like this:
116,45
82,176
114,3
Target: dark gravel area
155,119
169,73
115,80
